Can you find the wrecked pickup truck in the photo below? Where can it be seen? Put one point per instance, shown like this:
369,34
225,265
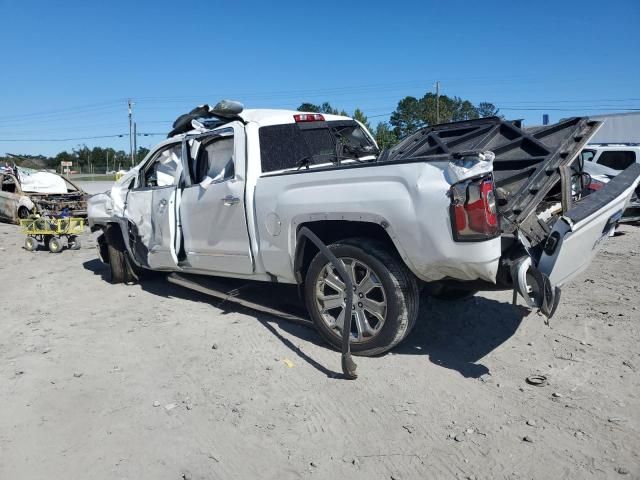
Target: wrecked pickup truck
451,210
26,192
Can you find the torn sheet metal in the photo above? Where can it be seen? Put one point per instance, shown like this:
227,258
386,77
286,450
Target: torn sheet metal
471,166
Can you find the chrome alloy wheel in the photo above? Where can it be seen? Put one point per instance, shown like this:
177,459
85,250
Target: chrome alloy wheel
369,301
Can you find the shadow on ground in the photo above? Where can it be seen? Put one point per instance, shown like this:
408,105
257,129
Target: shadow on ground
457,334
454,335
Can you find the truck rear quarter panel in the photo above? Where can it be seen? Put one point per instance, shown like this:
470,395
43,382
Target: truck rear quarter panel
410,200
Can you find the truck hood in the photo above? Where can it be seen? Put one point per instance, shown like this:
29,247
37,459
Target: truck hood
527,161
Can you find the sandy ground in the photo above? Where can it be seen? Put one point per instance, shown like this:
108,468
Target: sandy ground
152,381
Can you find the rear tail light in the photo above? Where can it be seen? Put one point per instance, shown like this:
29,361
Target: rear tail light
473,210
308,117
595,185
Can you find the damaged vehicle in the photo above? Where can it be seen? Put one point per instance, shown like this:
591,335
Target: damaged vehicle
453,209
27,192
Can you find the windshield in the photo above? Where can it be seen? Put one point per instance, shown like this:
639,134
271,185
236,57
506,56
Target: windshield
295,145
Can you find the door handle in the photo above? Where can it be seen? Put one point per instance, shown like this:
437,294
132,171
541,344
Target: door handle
230,200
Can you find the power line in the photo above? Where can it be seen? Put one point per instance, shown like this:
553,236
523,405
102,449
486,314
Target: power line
63,110
77,138
573,109
61,116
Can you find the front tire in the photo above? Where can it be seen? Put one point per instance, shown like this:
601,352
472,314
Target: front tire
119,265
23,213
385,300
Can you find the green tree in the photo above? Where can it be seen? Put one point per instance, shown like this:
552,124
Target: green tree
407,117
141,153
98,160
64,156
309,107
325,107
362,118
412,114
486,109
385,136
83,154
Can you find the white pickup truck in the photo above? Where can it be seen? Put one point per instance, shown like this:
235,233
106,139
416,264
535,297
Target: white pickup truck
453,209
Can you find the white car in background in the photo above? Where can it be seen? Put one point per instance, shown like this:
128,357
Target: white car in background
24,192
604,161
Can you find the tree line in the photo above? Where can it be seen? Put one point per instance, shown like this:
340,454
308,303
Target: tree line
99,160
84,159
410,115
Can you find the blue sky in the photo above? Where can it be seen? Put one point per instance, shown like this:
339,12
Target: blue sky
67,68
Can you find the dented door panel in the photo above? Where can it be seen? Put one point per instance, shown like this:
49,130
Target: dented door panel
150,215
150,210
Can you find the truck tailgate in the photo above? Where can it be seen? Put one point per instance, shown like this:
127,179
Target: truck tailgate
575,236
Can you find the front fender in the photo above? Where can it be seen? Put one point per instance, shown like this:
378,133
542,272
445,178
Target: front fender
26,202
100,210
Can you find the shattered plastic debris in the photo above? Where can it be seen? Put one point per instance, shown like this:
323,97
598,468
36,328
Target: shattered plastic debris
288,363
470,166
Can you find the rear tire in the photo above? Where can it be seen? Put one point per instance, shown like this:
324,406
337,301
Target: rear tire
394,286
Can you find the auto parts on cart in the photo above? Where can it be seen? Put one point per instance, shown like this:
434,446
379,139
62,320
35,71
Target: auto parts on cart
54,233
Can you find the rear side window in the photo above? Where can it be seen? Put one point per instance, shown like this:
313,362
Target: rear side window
296,146
617,160
283,146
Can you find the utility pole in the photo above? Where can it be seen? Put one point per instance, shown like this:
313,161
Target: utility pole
438,101
135,141
130,104
107,162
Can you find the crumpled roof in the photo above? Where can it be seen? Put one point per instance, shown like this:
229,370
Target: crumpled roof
39,181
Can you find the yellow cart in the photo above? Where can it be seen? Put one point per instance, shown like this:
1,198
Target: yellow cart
53,233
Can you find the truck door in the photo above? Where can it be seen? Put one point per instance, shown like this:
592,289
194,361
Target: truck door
575,236
150,209
212,212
